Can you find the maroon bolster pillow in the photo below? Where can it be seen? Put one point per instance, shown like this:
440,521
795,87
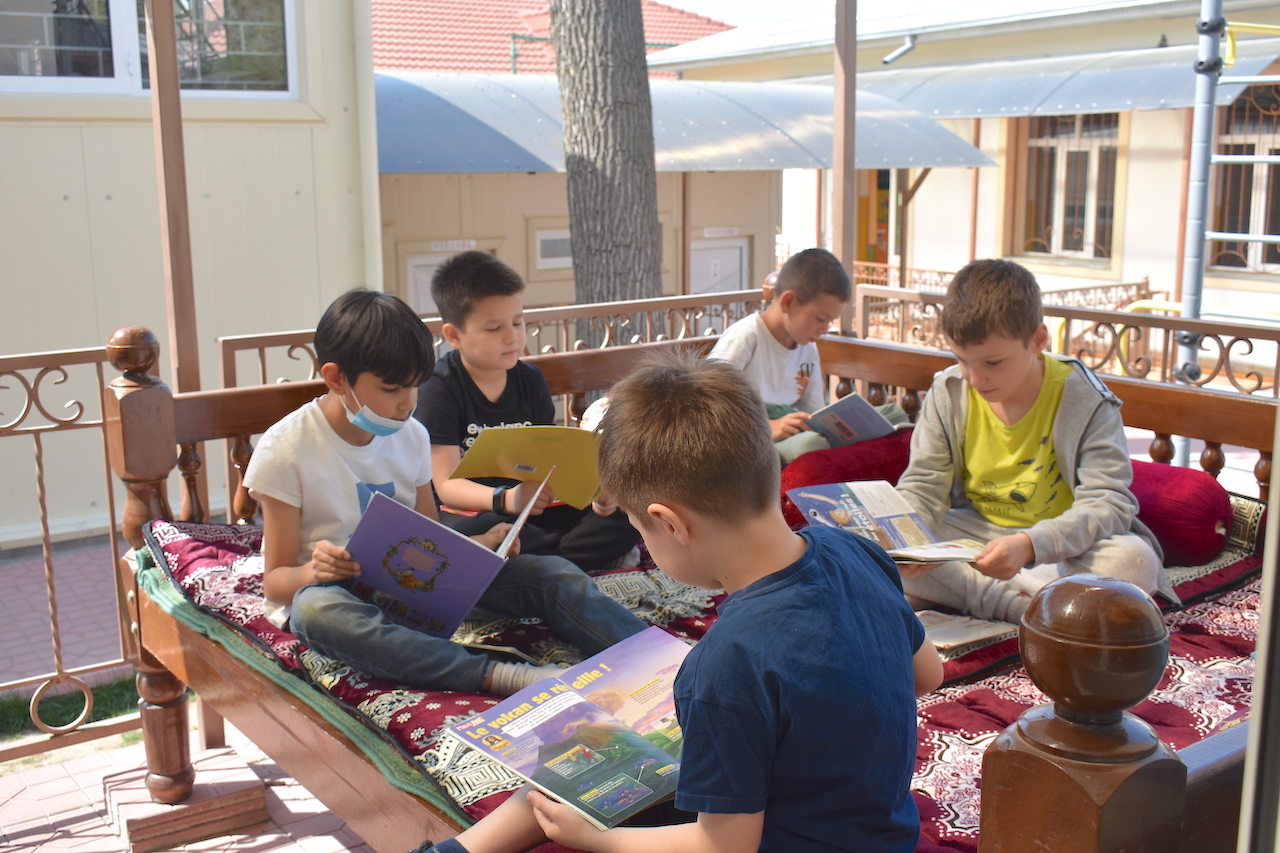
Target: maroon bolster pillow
883,458
1187,509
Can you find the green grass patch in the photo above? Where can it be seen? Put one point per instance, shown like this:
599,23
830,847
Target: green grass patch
113,699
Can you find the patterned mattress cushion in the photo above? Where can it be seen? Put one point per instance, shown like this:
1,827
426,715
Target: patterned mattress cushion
219,568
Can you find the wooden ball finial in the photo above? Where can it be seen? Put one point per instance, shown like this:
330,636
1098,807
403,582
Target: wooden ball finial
1094,644
133,350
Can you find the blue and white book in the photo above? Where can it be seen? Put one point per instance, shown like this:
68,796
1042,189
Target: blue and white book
849,420
874,510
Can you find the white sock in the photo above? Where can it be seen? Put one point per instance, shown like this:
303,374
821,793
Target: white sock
507,678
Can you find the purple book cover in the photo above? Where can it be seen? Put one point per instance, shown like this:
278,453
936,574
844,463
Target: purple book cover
421,573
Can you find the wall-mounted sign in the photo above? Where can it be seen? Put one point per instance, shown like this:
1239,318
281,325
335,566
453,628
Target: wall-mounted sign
452,245
720,231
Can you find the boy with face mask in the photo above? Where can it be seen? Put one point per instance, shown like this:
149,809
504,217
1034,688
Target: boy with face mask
315,471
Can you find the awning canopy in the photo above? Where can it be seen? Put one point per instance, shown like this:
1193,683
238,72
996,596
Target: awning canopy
450,123
1154,79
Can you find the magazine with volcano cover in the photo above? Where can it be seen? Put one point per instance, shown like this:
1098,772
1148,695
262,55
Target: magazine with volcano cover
874,509
602,737
532,453
849,420
419,572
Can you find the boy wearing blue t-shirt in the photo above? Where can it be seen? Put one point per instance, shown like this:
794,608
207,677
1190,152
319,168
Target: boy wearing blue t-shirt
798,706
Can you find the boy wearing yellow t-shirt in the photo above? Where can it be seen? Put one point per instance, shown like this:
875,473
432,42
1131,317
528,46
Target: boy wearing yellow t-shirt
1024,450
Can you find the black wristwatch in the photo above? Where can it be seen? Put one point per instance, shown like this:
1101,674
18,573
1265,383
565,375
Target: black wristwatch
500,499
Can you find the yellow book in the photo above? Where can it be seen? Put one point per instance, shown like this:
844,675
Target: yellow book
530,452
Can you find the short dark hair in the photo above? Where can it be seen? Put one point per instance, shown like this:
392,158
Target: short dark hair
813,273
466,278
364,331
689,431
992,297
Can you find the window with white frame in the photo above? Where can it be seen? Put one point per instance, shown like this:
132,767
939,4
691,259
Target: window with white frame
1247,195
1067,189
100,46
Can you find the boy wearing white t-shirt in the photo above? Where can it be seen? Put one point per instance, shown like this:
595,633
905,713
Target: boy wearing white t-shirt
315,471
776,348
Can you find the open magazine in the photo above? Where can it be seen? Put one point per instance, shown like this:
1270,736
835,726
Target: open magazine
849,420
420,572
601,738
872,508
951,631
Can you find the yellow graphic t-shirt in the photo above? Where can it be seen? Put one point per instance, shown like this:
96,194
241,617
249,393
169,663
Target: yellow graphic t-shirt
1011,472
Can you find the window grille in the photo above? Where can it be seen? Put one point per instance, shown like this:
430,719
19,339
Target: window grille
1069,187
1246,195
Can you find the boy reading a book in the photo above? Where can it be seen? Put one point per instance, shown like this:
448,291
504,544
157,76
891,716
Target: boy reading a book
483,383
315,471
776,348
1024,450
787,746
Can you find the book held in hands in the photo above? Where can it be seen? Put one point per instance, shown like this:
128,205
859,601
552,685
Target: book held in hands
873,509
533,453
849,420
602,737
418,571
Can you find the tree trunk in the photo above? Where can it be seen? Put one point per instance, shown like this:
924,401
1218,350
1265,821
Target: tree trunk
608,146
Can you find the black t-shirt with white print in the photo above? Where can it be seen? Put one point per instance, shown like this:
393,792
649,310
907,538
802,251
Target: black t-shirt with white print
454,410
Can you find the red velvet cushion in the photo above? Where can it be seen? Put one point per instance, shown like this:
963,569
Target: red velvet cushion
882,458
1187,510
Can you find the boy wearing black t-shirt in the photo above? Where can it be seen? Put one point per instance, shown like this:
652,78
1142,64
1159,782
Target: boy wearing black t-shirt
483,383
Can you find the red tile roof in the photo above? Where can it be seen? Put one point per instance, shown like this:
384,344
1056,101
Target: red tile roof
476,35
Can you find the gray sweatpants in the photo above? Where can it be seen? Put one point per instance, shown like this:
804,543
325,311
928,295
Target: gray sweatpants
956,584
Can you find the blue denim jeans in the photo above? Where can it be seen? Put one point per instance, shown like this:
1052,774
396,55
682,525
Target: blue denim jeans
331,620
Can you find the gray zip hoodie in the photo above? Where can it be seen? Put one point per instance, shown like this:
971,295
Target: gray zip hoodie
1088,436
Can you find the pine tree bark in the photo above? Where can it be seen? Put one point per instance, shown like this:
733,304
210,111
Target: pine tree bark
608,141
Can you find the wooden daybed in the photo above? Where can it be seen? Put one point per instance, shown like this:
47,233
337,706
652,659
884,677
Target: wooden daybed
151,431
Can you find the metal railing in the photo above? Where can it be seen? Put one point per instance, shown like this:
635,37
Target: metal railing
279,356
29,383
1235,356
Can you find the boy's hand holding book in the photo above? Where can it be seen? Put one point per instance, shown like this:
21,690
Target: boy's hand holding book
604,505
789,424
560,823
496,535
330,563
1005,557
518,497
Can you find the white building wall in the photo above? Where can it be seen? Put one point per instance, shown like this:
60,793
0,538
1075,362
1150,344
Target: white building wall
941,212
277,216
1153,212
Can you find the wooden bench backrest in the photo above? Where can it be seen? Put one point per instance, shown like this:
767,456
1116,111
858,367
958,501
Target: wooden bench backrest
575,374
1216,417
150,430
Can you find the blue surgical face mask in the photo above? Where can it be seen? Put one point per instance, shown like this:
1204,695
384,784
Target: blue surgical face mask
372,423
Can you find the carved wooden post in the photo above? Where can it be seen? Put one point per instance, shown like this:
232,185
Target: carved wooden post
142,449
142,452
1082,775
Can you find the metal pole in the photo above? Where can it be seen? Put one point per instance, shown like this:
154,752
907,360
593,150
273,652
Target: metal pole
1208,67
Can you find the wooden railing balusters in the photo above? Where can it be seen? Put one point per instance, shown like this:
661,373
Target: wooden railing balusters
190,463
